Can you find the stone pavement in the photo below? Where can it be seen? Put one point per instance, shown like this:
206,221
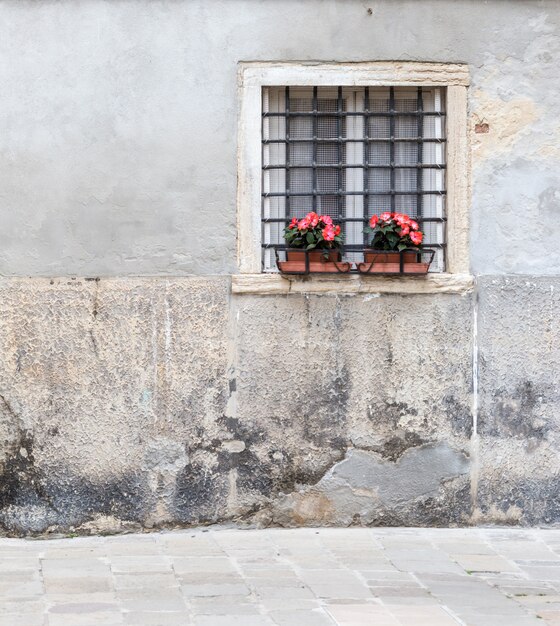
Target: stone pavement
302,577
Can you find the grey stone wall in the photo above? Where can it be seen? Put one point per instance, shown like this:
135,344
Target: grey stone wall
150,395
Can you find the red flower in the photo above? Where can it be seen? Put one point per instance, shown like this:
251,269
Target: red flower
416,237
303,224
413,225
373,221
293,223
313,219
385,217
404,231
326,219
328,233
337,230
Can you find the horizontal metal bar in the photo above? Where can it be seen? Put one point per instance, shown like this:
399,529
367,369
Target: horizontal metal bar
309,194
356,114
272,220
351,166
335,140
349,247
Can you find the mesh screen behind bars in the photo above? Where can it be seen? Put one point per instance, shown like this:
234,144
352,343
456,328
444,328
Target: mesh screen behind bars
311,153
302,180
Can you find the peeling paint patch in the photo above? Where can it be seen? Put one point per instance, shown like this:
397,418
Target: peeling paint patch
499,124
364,486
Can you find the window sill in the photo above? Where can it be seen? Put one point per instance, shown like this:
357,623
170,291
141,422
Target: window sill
272,284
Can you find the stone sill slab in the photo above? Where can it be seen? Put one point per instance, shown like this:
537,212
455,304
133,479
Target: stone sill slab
271,284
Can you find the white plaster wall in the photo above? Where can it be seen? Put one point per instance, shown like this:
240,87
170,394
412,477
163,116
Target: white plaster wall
118,122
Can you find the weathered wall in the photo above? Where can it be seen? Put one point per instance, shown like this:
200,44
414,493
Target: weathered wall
164,400
519,409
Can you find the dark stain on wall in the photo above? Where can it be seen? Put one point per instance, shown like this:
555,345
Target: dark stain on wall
242,432
31,501
516,413
451,507
77,498
19,480
537,501
200,495
325,412
252,473
389,413
459,415
394,447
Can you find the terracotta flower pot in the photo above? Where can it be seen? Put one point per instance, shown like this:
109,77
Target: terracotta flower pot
385,262
322,261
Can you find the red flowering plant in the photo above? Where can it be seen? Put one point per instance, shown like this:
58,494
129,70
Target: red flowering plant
394,231
313,232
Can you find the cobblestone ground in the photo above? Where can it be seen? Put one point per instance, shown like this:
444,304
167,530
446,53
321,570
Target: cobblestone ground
304,577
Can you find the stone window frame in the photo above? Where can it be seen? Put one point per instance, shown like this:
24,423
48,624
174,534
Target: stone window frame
254,75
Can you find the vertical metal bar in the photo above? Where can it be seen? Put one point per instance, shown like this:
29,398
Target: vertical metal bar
315,134
366,161
266,229
340,199
392,144
287,124
419,153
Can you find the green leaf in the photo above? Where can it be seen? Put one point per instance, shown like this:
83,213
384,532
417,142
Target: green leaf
310,238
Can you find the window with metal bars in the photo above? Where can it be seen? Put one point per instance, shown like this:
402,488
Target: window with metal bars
352,152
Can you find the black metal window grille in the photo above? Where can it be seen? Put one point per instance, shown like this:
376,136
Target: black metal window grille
352,152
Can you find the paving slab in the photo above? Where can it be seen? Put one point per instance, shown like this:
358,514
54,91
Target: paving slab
283,577
318,617
24,619
233,620
157,619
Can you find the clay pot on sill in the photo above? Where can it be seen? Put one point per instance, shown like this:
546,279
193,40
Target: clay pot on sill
320,261
389,262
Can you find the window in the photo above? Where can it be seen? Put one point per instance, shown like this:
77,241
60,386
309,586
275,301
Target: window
352,140
352,152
